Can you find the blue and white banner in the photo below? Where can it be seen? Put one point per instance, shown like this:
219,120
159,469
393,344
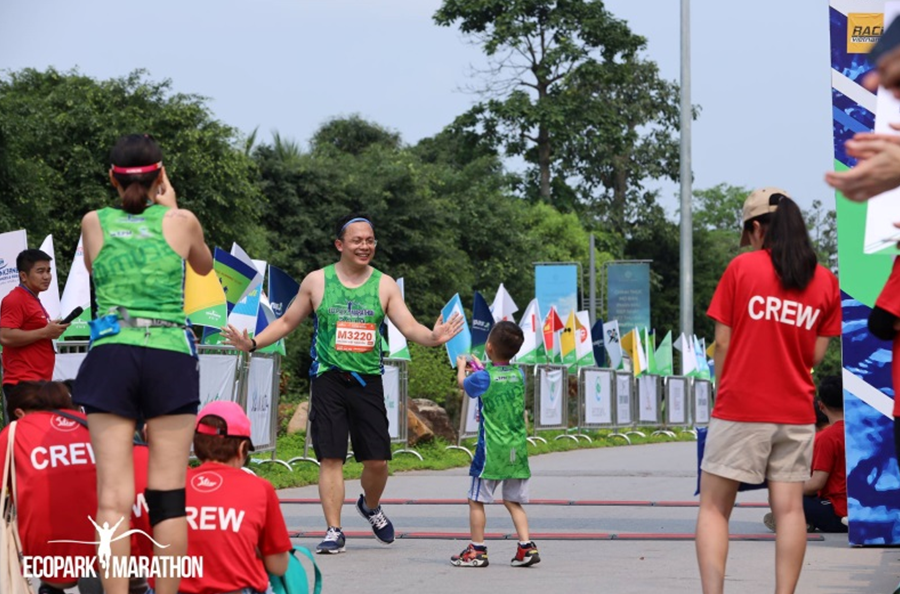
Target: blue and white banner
482,322
282,290
461,344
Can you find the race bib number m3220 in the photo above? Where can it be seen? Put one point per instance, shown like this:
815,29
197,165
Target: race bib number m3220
355,337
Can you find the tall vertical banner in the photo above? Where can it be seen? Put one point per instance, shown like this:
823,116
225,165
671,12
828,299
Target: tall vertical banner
628,295
556,286
872,476
50,297
77,293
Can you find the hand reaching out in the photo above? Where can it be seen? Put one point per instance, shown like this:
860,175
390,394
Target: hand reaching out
444,331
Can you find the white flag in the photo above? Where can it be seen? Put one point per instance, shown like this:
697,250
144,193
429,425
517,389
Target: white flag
584,346
688,355
397,346
11,244
530,323
77,292
503,306
613,344
50,297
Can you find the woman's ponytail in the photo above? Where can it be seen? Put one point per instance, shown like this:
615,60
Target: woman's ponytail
787,239
134,201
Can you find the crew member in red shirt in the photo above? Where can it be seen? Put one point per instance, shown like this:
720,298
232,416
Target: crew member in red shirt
825,493
775,309
56,480
234,519
26,330
884,322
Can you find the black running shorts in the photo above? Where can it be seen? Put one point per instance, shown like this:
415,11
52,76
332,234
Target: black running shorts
137,382
341,406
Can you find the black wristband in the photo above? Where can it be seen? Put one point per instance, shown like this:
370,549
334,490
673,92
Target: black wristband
253,343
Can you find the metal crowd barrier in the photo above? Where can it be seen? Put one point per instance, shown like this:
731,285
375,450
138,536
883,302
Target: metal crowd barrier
702,398
551,400
224,375
676,405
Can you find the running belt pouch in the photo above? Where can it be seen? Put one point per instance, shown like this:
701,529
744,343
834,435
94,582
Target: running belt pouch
294,580
11,579
105,326
701,445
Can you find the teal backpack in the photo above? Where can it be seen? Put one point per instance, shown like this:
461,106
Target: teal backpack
294,580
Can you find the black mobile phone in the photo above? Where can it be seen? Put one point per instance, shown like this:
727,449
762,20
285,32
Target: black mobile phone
890,39
72,315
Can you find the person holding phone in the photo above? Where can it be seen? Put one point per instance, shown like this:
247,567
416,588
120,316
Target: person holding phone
143,362
26,330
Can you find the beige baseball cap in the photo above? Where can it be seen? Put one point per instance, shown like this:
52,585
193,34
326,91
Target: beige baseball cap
760,202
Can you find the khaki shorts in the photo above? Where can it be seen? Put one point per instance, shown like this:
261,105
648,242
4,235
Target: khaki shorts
751,452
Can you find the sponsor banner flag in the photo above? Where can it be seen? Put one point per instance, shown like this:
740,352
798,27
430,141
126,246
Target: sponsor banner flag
532,351
77,293
613,343
264,317
689,364
11,244
282,290
650,351
235,276
245,312
702,364
503,306
584,354
663,356
711,350
598,343
567,342
551,328
50,297
631,342
482,322
204,299
397,345
461,344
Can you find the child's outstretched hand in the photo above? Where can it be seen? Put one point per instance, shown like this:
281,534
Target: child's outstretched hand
460,361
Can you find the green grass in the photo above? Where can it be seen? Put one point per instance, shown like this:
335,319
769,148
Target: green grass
436,457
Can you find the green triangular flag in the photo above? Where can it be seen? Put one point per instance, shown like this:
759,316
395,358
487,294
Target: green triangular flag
663,356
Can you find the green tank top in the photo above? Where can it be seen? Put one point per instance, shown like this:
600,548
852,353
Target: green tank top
347,326
138,270
503,415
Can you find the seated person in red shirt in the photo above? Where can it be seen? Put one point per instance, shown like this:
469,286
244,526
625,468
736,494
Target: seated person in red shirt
234,519
825,493
54,460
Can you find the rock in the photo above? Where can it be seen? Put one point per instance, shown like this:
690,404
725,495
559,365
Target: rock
417,430
298,421
436,417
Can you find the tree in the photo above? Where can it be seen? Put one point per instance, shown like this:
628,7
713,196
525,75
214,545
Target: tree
56,131
567,90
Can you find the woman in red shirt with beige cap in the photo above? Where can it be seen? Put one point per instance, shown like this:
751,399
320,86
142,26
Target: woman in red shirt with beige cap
775,309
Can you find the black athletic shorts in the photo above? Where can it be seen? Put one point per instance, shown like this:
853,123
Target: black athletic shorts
138,382
341,405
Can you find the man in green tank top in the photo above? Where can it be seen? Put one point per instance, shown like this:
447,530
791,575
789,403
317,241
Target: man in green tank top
348,302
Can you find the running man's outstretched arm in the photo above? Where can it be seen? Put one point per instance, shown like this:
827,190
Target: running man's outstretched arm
300,309
400,315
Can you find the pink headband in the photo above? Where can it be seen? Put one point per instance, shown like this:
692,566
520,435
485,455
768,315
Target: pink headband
137,170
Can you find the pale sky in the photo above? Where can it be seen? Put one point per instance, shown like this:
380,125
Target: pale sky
760,69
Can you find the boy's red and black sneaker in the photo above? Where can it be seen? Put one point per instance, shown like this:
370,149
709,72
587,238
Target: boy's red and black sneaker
471,556
526,555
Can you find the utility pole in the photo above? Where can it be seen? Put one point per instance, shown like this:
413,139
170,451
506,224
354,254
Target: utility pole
687,238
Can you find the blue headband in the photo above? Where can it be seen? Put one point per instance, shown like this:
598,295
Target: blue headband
356,220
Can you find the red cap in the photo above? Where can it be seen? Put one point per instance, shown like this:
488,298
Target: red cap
236,422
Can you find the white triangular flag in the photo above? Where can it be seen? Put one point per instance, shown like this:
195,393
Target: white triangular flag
397,345
530,325
50,297
503,306
613,344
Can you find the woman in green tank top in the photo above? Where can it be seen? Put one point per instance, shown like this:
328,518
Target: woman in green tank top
142,362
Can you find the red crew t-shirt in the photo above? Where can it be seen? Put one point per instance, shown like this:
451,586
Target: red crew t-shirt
21,310
56,483
828,456
231,514
889,301
766,375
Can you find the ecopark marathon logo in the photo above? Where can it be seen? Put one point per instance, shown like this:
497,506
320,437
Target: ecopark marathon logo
85,566
352,310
